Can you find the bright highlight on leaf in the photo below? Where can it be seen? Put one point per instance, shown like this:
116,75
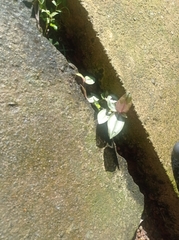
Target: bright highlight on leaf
54,3
111,102
103,116
48,13
89,80
115,109
115,124
116,114
53,26
97,105
92,98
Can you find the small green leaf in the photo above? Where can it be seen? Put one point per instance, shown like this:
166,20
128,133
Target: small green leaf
53,14
92,98
54,26
56,44
47,20
104,95
54,2
89,80
97,105
115,125
45,11
103,116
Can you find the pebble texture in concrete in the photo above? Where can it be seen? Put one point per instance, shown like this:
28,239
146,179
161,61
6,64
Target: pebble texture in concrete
52,177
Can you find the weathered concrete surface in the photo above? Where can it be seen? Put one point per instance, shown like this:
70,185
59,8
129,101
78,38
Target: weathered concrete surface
52,177
140,39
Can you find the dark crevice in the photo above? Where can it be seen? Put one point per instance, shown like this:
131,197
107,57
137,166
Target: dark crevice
81,46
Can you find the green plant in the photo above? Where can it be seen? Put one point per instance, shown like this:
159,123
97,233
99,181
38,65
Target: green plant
114,112
47,14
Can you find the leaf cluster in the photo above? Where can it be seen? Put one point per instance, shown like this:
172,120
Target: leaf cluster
113,112
49,12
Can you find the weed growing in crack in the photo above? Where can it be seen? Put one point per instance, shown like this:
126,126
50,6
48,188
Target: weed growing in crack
47,13
48,17
114,112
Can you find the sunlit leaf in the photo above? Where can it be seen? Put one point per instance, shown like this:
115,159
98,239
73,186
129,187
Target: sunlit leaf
124,103
45,11
89,80
111,102
115,125
112,96
92,98
103,116
97,105
53,14
47,20
54,2
54,26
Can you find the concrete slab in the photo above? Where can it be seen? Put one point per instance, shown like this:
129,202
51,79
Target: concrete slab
133,46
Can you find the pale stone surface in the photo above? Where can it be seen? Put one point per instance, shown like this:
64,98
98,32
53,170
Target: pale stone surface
52,177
